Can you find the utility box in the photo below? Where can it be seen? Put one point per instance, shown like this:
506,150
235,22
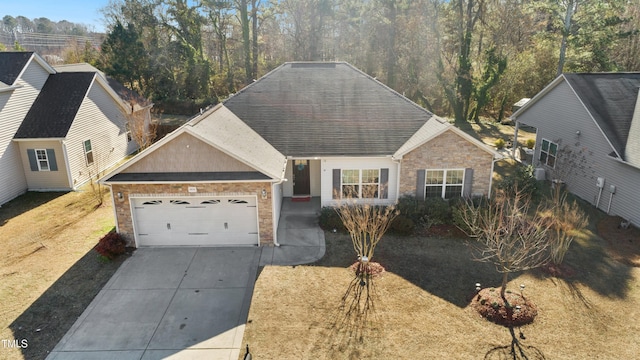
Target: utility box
539,174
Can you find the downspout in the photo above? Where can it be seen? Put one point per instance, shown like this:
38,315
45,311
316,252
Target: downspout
493,163
399,162
67,164
113,206
275,229
515,140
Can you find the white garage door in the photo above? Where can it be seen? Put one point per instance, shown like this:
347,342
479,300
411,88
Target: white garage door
196,221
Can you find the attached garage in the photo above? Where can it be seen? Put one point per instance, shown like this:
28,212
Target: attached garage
195,221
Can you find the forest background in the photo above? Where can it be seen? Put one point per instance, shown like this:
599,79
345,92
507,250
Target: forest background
464,59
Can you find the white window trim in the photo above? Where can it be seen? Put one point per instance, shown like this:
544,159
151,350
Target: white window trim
555,156
360,184
444,181
46,159
86,158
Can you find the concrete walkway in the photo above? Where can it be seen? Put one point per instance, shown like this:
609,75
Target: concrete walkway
186,302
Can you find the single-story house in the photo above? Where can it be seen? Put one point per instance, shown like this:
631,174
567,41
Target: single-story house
306,129
588,136
60,126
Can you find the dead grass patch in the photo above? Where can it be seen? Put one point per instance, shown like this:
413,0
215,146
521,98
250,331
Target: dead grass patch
423,308
624,244
48,269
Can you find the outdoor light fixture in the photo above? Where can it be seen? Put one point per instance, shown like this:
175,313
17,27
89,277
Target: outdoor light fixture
264,194
120,197
478,287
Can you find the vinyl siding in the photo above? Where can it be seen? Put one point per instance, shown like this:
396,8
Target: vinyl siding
328,164
558,116
14,105
186,153
101,120
45,180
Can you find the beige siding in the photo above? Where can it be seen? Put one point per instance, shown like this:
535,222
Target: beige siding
265,205
186,153
101,120
14,105
447,151
45,180
558,116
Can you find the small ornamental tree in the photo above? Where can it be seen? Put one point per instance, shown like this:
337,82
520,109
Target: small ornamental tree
366,223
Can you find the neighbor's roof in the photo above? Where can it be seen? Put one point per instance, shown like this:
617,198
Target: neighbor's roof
224,131
56,106
11,65
610,99
327,109
123,92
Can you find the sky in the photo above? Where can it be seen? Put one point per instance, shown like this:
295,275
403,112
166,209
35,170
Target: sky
76,11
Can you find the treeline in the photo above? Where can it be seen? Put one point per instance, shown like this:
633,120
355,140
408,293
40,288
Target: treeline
22,24
460,58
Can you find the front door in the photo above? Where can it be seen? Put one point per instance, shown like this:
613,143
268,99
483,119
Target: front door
301,184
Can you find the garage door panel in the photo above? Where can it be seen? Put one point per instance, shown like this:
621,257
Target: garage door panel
196,221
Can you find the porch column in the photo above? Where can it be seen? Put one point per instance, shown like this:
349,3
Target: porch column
515,140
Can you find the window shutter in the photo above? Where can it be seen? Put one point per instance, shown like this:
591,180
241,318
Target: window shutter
51,155
33,162
336,184
384,183
468,183
421,184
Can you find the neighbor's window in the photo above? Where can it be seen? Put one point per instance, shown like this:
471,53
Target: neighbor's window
361,183
447,183
88,152
548,153
43,159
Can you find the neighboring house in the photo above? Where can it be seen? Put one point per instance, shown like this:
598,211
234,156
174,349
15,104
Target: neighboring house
588,136
303,130
59,127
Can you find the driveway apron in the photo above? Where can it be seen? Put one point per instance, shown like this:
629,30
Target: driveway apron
177,303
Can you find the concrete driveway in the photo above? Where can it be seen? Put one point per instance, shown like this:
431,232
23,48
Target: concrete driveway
177,303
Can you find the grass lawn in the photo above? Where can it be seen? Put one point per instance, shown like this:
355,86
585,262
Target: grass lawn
48,270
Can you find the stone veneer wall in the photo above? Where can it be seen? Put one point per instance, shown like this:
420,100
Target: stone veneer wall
265,208
447,151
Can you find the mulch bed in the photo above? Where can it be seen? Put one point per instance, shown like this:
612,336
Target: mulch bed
519,310
623,244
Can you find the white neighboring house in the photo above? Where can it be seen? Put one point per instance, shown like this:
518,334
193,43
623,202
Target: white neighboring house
58,126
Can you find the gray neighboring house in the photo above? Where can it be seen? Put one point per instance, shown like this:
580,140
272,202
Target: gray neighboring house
596,118
60,126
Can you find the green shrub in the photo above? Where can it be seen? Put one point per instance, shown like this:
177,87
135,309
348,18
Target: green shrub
522,180
438,211
111,245
329,219
403,225
499,143
531,143
412,207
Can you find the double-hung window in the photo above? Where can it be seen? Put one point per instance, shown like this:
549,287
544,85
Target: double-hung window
363,183
42,160
88,152
548,153
446,183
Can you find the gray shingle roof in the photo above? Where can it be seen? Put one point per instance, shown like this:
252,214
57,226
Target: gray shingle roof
611,100
11,64
55,108
327,109
188,176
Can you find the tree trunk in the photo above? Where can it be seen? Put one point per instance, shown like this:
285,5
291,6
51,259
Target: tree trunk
246,40
254,33
571,8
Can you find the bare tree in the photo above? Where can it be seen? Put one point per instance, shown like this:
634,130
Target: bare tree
140,126
507,236
366,224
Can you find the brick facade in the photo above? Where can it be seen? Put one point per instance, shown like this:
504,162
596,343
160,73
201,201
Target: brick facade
447,151
123,208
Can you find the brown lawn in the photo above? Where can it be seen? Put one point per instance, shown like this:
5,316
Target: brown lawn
423,306
48,270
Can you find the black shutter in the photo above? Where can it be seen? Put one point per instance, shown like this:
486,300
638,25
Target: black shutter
384,183
51,156
421,184
33,162
336,184
468,182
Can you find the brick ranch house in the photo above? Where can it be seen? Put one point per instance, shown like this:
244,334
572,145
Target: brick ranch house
306,129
